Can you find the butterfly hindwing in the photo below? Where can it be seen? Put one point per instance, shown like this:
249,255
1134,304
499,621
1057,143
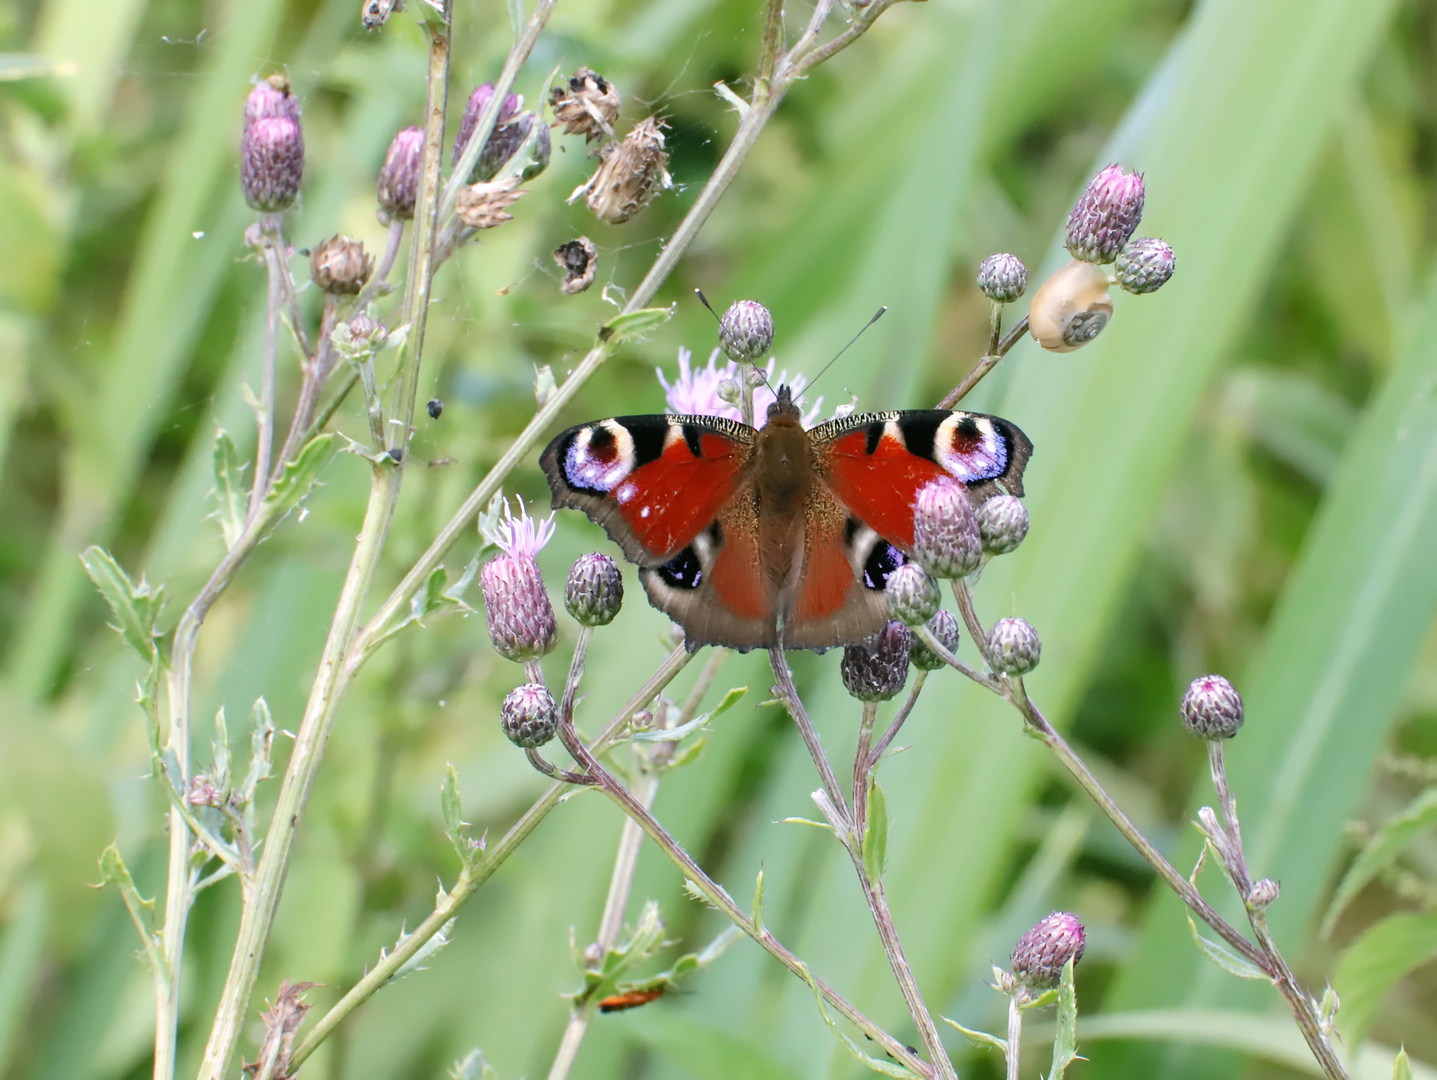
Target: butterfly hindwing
876,464
652,482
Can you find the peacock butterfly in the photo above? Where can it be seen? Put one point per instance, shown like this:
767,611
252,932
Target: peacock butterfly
753,538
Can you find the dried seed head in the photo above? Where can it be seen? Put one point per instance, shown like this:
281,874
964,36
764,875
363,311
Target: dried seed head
485,206
399,177
1002,277
1002,523
629,176
1014,646
946,540
473,109
746,330
1262,893
271,161
1144,265
588,106
595,590
506,141
1071,307
944,627
911,595
1105,216
876,669
578,259
340,266
529,715
1211,708
521,619
1038,958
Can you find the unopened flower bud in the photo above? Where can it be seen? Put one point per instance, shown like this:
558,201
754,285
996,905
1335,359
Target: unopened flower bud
1013,646
529,715
1002,523
399,177
629,176
1105,216
1002,278
203,792
1211,708
911,595
1262,893
875,670
473,109
578,259
1071,308
340,266
371,331
595,590
946,540
521,619
1144,265
588,106
944,628
746,330
593,954
270,97
271,161
1037,960
505,142
728,391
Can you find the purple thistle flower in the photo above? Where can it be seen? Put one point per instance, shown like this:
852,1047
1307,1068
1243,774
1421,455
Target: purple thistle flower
521,619
695,391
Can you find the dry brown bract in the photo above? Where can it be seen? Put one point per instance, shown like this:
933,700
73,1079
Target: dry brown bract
280,1025
340,266
483,206
578,259
588,107
629,176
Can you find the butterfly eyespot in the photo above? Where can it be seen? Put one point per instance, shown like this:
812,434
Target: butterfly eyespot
880,564
683,571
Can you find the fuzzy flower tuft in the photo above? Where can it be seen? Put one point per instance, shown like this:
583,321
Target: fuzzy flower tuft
695,391
521,619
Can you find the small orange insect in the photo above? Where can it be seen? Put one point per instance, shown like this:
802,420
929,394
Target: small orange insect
630,999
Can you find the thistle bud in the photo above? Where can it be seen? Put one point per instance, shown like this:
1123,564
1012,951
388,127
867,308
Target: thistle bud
1002,523
1002,278
1105,216
203,792
911,595
746,330
629,176
595,590
271,97
399,177
1071,307
946,540
875,670
1037,960
1013,646
578,259
1262,894
473,109
529,715
1211,708
1145,265
944,628
521,619
371,331
486,206
271,160
588,106
505,142
339,266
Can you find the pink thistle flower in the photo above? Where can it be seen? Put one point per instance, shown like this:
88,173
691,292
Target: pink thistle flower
521,619
695,391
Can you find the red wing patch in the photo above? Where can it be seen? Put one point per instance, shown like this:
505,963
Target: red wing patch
736,577
881,487
827,577
668,501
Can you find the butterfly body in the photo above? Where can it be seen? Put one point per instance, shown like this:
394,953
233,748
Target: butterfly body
753,538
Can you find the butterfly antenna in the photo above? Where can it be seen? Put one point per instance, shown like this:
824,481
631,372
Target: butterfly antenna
876,316
704,300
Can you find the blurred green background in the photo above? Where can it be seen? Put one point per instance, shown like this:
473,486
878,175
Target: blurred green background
1239,476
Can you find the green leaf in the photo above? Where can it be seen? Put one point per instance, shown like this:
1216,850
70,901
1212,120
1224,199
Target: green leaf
113,871
135,607
299,476
261,742
875,834
1372,965
756,912
229,488
675,734
473,1067
1065,1042
979,1038
432,596
1224,957
1402,1066
220,746
635,324
460,834
688,755
1385,845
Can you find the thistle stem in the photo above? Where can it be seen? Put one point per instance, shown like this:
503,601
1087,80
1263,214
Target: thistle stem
997,349
264,437
1015,1036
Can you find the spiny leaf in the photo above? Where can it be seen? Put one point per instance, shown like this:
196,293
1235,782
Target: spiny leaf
635,324
458,829
229,488
875,834
1065,1042
299,477
135,607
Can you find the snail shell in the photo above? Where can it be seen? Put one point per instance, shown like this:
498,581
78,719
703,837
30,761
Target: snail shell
1071,308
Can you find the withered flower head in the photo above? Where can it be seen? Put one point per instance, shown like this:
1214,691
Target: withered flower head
340,266
578,259
483,206
630,175
588,107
